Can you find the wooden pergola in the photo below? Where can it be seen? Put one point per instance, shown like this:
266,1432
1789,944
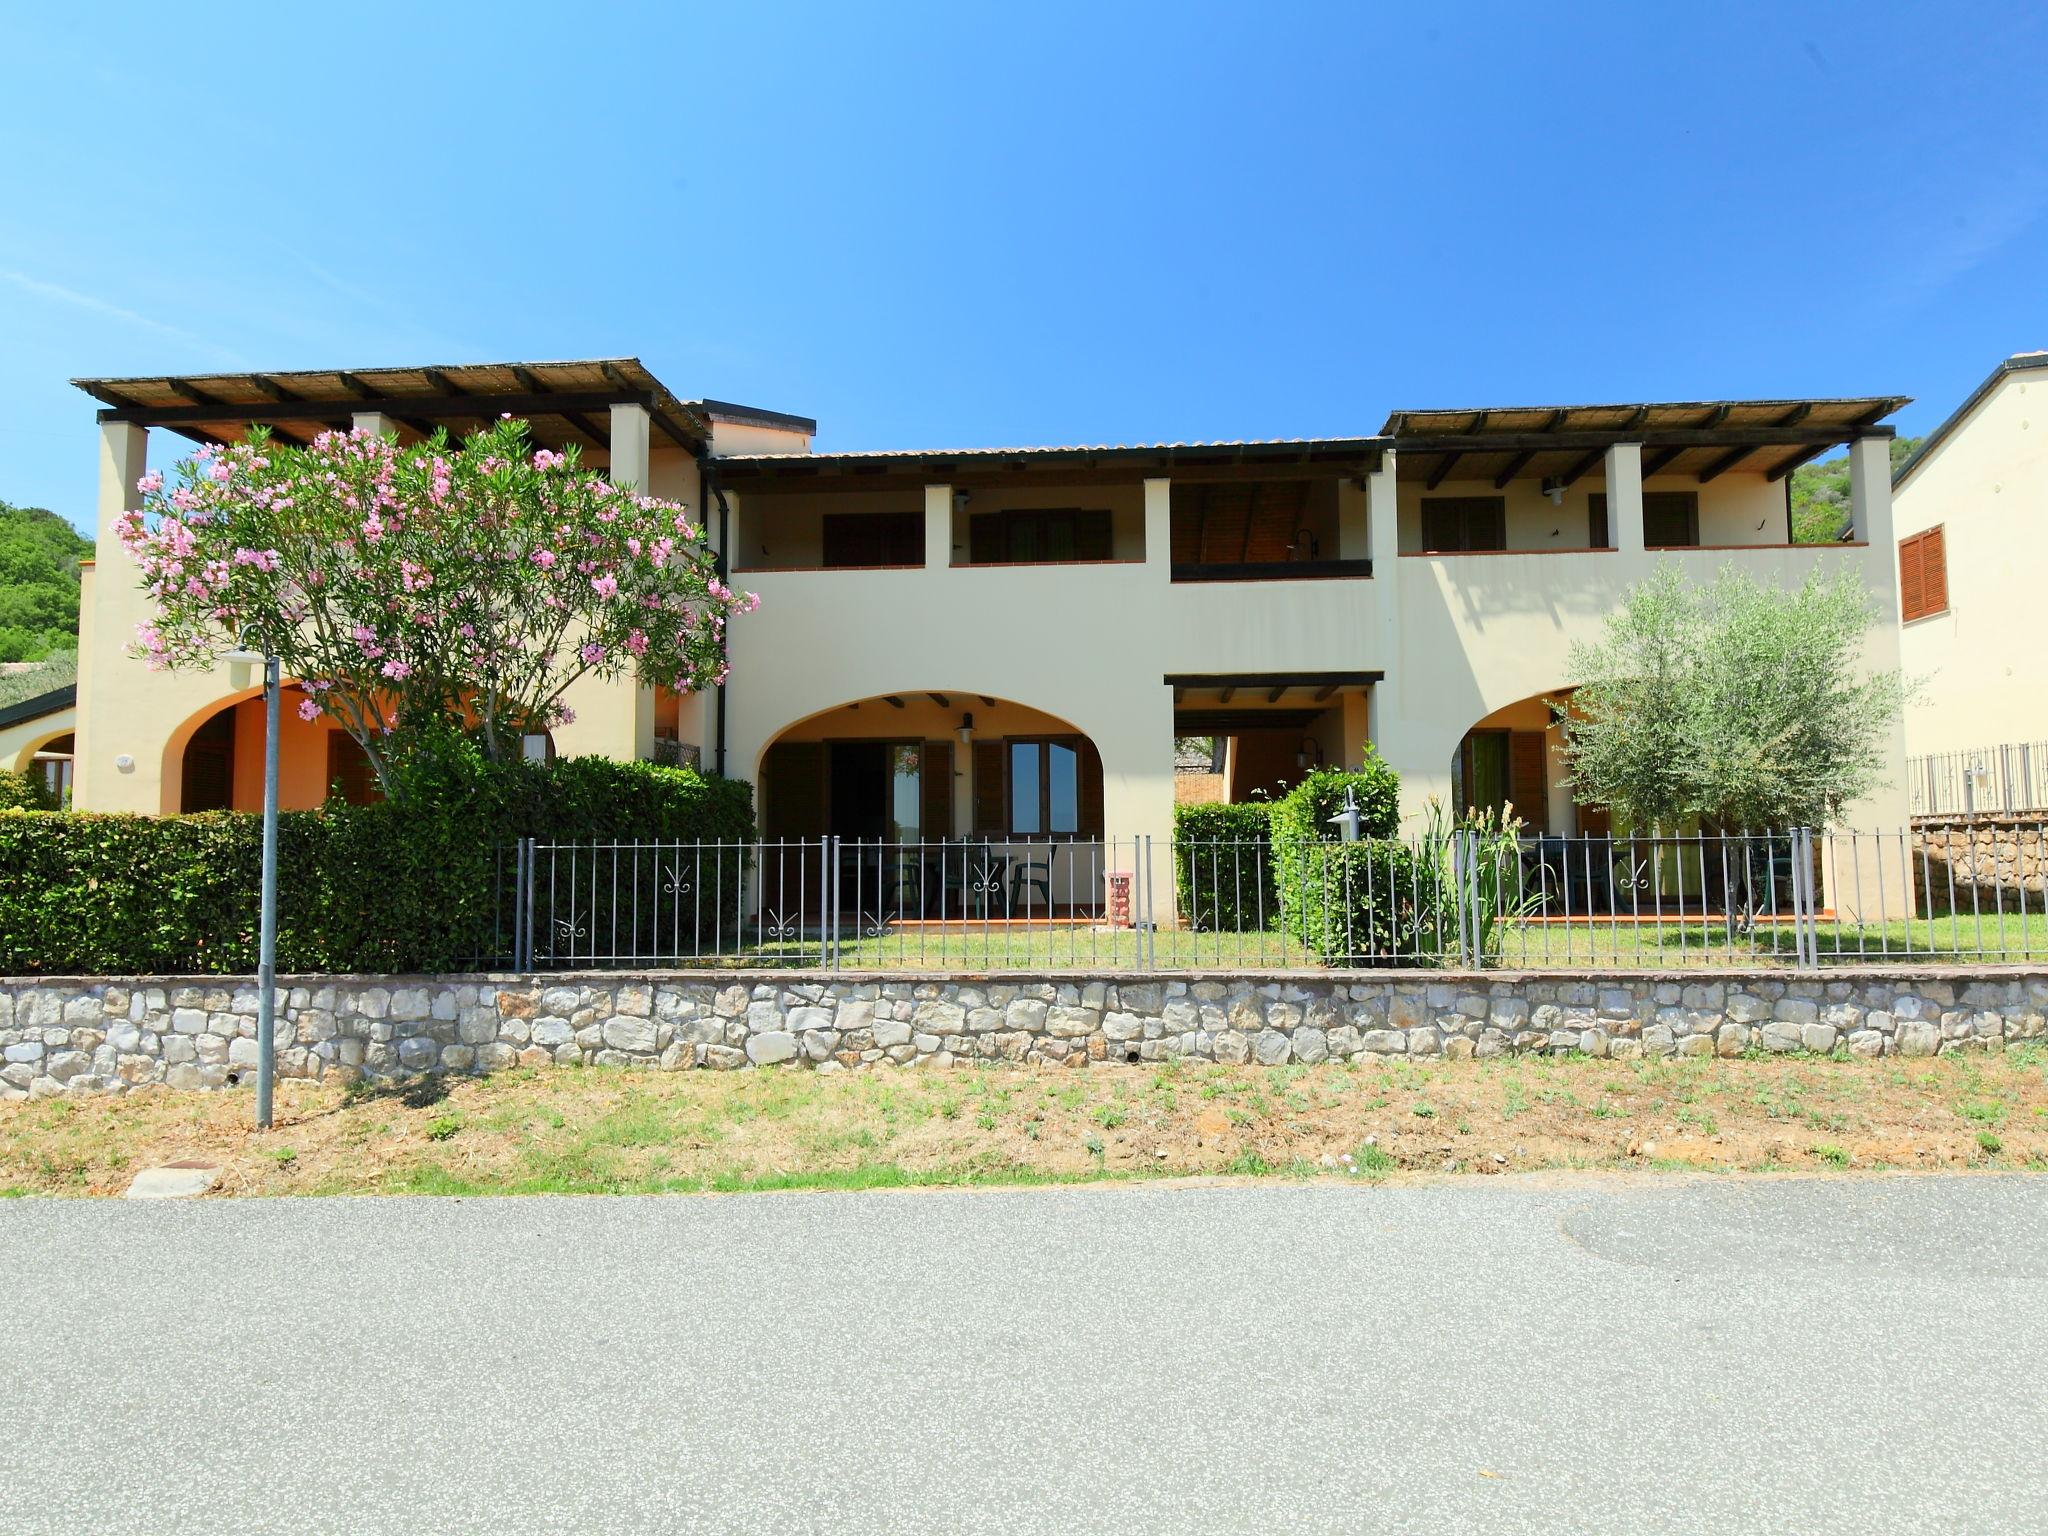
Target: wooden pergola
1561,444
564,402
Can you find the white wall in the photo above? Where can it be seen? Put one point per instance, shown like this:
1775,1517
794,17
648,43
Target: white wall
1984,662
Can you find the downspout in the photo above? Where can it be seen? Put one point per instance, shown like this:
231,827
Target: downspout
712,488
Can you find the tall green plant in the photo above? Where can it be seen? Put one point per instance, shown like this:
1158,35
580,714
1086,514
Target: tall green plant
1742,703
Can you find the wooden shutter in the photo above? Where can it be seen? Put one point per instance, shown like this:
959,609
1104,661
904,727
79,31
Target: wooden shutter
1528,784
1090,771
1441,529
1912,578
1487,525
1596,520
1934,569
1671,519
793,774
1091,535
935,784
991,815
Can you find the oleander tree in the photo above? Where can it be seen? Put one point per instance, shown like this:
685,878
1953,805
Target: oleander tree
1743,704
413,589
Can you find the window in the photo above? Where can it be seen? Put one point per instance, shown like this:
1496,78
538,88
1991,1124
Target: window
1923,574
1037,787
873,538
1671,520
1034,536
1454,523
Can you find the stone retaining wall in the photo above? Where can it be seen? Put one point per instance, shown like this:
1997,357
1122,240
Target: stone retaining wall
90,1035
1987,862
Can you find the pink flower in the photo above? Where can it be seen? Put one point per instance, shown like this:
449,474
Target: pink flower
220,472
150,483
606,586
592,654
544,558
308,710
397,670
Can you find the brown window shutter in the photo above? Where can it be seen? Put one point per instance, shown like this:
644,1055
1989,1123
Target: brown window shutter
1528,785
935,785
1090,769
1934,570
990,816
793,774
1596,520
1912,586
1440,527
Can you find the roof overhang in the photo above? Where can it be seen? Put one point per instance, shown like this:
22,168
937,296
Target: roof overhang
1700,438
2019,363
56,701
1306,458
1220,703
564,402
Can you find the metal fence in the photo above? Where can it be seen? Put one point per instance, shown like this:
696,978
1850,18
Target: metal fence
2006,779
1462,900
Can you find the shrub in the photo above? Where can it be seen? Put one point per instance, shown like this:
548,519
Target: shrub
424,884
1301,825
1371,902
21,792
1223,866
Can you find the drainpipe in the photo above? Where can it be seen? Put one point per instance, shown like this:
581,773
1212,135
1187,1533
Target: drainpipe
711,488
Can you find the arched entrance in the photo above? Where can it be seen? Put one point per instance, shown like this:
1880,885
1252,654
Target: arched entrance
1514,757
939,803
214,761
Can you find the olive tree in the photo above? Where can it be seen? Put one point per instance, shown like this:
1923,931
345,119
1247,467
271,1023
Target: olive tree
1743,704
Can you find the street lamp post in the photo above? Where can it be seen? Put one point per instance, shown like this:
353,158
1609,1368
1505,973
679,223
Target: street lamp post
252,650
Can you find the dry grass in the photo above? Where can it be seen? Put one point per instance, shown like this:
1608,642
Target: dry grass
599,1130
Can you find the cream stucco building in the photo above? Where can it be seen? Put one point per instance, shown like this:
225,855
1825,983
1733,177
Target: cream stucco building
1972,521
1007,641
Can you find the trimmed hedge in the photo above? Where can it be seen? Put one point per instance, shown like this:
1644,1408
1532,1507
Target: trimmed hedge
1223,866
1373,902
1301,827
19,792
421,885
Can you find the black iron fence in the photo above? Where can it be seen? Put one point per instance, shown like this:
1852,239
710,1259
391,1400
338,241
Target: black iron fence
1461,899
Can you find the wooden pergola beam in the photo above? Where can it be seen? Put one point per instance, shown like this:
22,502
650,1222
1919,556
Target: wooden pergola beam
1726,462
1659,459
1578,470
940,699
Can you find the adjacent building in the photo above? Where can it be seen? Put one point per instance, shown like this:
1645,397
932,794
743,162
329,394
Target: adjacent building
1007,642
1972,512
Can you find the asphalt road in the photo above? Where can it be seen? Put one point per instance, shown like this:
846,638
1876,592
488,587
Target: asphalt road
1863,1355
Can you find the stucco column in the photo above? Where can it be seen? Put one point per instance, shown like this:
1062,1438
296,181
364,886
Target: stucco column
1386,721
629,446
1624,470
97,783
1870,491
1159,526
374,422
1135,740
1354,521
938,527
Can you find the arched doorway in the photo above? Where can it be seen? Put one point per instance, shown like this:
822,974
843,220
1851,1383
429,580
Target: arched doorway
939,802
1514,757
214,762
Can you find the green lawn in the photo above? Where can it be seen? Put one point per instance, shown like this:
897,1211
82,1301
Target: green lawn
1588,943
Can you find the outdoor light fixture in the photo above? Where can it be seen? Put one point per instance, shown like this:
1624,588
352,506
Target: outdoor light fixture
1309,753
1554,489
966,730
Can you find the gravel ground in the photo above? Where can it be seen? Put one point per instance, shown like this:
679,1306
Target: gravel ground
1593,1354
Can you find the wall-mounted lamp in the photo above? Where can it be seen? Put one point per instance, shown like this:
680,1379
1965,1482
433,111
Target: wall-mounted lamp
1554,489
1309,753
966,730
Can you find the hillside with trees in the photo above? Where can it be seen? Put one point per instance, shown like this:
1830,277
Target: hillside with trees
1820,494
39,555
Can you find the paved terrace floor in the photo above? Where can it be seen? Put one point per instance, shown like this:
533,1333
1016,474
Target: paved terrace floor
1855,1355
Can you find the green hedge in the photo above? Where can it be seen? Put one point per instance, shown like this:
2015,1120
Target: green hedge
1301,826
1373,902
423,885
1223,866
19,792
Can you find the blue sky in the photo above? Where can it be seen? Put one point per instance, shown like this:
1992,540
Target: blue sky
963,224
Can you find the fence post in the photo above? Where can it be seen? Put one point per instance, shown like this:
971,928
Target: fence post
1805,917
1460,869
523,918
830,925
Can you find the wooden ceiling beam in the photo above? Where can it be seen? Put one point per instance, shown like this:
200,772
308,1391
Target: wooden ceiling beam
1726,462
1659,459
940,699
1443,468
1578,470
